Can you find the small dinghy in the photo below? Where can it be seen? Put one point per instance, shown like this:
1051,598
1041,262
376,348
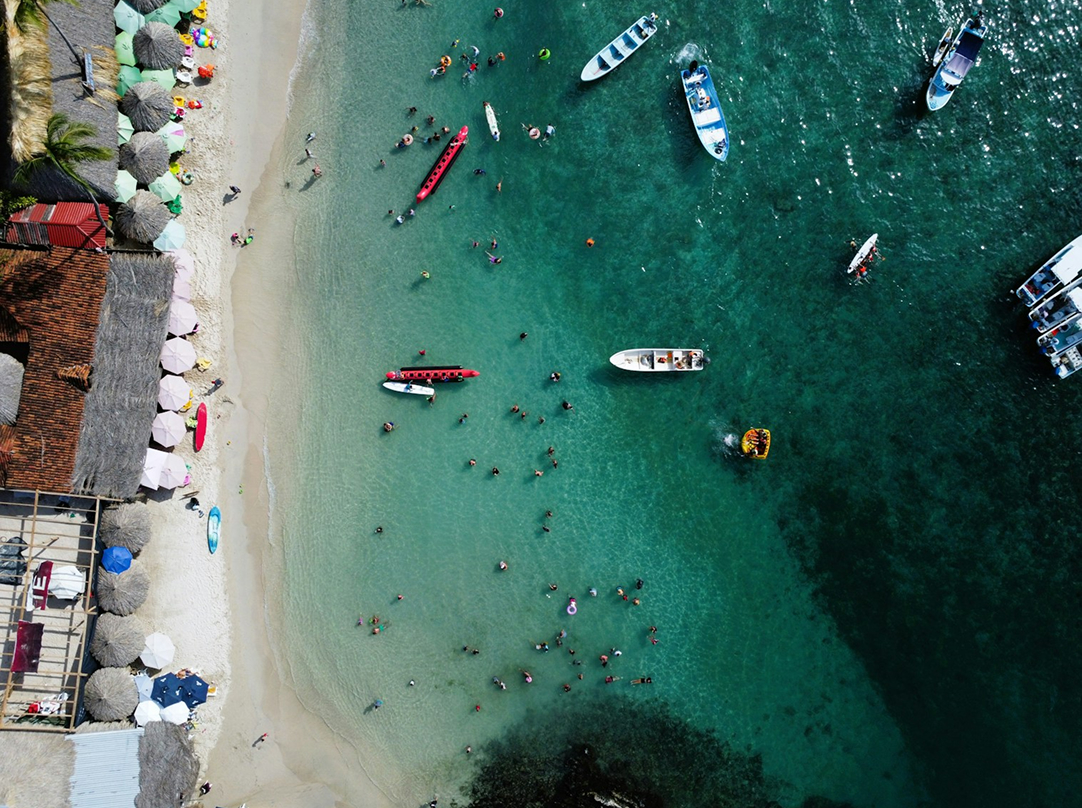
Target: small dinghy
702,98
659,360
410,387
864,258
756,443
613,55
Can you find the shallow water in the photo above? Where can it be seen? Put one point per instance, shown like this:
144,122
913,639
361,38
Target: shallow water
870,610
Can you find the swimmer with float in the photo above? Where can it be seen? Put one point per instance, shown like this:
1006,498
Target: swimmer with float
572,606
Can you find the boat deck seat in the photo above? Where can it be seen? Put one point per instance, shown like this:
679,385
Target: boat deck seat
708,116
616,54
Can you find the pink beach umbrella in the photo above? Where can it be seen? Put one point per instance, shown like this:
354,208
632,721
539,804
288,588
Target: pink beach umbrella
174,473
178,355
168,429
174,393
182,289
152,468
182,318
183,262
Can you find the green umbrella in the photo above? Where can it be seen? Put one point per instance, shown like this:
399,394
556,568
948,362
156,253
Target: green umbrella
124,53
172,238
124,185
166,78
166,187
127,18
174,136
124,129
168,14
184,5
127,76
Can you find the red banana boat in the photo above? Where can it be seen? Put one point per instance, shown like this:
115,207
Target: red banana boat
441,166
431,374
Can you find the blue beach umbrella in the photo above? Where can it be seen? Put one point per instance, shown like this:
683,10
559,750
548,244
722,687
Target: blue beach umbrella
193,690
169,14
166,690
172,237
127,18
116,559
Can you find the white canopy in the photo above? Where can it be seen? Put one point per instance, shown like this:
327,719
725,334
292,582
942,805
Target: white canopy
1069,266
158,651
178,355
182,317
174,472
153,464
168,428
67,583
175,713
147,711
174,393
1075,296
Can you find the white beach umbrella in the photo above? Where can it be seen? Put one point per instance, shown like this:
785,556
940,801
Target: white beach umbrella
158,651
174,473
152,468
67,583
145,686
176,713
182,289
168,429
174,393
148,711
182,318
178,355
183,261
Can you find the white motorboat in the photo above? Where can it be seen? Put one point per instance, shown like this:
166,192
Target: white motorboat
864,258
1060,270
702,98
613,55
410,387
660,360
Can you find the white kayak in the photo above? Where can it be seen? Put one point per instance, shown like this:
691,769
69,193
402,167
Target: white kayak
409,387
863,253
493,127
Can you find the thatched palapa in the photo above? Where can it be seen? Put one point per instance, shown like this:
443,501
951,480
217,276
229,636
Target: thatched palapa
110,694
146,6
127,525
142,218
119,408
147,105
117,640
157,46
168,766
11,386
145,157
125,592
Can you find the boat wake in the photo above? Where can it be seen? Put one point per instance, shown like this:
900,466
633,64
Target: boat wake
687,53
726,442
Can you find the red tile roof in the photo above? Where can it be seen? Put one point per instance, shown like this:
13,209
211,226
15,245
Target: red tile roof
65,224
55,297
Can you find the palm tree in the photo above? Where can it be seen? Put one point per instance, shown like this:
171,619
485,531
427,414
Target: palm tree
63,150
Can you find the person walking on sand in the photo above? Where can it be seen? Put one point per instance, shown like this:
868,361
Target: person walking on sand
233,189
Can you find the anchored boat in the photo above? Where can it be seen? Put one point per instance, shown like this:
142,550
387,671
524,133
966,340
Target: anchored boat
659,360
955,61
702,98
442,166
756,443
1060,270
1057,311
432,374
864,258
613,55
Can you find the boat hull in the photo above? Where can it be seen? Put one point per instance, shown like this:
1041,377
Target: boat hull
432,375
440,168
409,388
954,62
617,52
659,360
705,109
1053,276
863,254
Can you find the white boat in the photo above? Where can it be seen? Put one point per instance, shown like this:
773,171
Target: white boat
953,62
493,126
1067,363
613,55
659,360
702,98
410,387
864,255
1057,310
1061,269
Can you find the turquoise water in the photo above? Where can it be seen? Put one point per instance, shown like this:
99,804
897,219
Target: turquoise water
884,610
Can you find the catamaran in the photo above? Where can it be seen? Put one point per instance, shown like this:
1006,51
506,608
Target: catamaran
1060,270
955,63
613,55
1058,310
659,360
702,98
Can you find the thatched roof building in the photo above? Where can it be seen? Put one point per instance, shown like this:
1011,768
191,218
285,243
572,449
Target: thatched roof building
11,386
110,694
147,105
125,592
117,640
126,525
121,405
169,768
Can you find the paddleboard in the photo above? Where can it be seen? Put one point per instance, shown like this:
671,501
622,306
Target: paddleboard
214,524
200,426
407,387
941,50
862,253
493,127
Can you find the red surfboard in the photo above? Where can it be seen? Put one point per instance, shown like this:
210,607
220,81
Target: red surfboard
200,426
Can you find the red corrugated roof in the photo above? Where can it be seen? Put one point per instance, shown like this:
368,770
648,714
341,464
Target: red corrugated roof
65,224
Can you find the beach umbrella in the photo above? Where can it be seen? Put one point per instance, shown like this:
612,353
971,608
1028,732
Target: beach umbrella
168,429
152,466
144,685
193,690
116,559
174,136
117,641
146,712
174,473
124,129
166,689
158,651
147,104
125,53
166,187
178,355
145,6
142,218
167,15
184,262
126,78
145,157
122,594
127,18
185,6
67,583
126,525
173,394
171,238
110,694
182,317
176,713
166,79
124,186
182,289
157,46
